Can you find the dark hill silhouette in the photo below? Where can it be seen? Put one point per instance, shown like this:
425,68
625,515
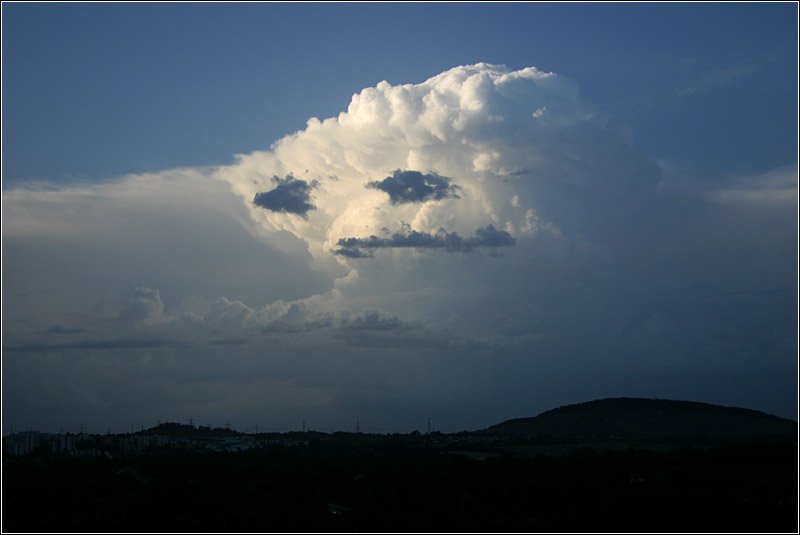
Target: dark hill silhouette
634,418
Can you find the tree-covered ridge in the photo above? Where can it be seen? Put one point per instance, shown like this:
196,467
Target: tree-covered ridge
641,417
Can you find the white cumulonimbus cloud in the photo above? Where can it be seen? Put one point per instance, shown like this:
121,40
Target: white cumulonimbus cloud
484,239
473,147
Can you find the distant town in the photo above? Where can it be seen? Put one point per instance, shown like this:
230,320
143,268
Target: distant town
183,437
163,436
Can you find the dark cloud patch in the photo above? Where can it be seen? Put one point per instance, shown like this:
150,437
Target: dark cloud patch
291,195
352,251
485,237
413,186
489,237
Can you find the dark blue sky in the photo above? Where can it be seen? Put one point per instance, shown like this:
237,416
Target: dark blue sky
101,90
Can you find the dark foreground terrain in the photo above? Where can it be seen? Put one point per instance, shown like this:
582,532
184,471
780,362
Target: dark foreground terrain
396,487
608,465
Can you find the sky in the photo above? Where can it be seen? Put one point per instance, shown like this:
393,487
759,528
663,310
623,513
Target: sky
270,214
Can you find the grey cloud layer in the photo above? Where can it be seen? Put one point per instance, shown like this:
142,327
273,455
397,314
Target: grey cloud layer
143,324
291,195
488,237
413,187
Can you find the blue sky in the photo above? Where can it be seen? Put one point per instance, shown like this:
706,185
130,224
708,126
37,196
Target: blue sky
513,207
96,91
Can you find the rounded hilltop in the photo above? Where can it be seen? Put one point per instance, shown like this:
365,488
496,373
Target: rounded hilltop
630,418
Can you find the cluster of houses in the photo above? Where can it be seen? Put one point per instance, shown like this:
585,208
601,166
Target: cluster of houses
190,438
139,443
464,439
87,445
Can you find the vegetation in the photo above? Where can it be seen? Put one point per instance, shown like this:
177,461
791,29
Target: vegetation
482,481
636,418
399,488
